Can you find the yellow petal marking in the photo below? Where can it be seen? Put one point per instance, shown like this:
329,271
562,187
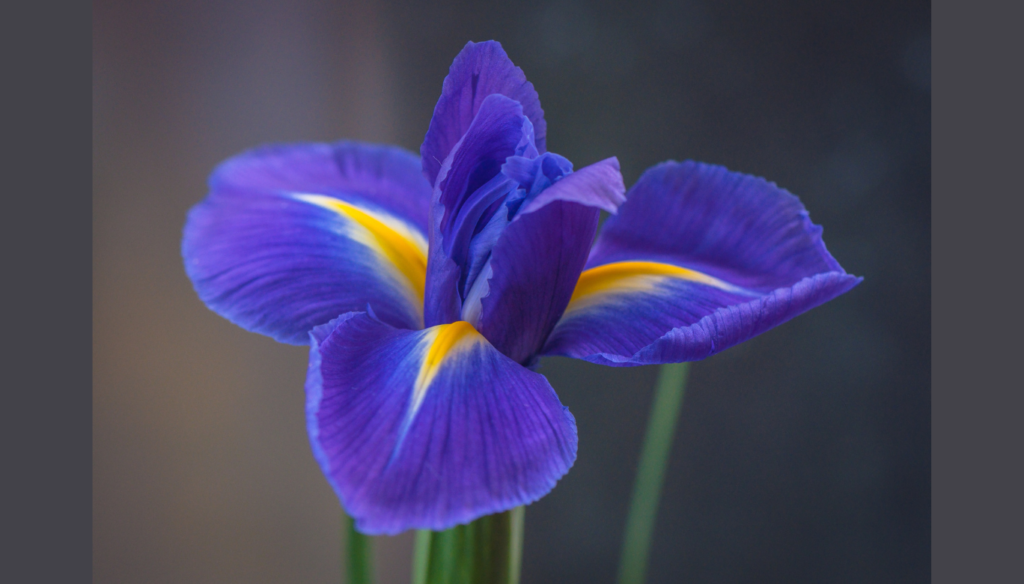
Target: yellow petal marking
444,340
402,245
633,276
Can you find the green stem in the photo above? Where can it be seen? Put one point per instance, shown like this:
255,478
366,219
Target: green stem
515,546
421,556
359,550
643,508
486,551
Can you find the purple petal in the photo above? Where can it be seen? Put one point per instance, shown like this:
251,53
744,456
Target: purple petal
442,303
387,177
536,262
461,197
598,185
480,70
430,429
292,236
467,174
535,174
698,259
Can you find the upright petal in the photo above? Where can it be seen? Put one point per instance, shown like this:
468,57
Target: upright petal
432,428
697,260
291,236
537,260
480,70
468,186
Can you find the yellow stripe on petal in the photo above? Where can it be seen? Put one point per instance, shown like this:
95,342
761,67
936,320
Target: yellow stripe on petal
598,283
444,341
393,239
447,339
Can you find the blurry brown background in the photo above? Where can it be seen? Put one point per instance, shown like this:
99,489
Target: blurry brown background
802,455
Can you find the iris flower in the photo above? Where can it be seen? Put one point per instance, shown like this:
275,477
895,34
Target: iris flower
428,287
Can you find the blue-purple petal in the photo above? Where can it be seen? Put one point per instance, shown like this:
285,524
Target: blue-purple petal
442,303
479,70
734,226
537,260
598,186
387,177
697,260
406,445
462,195
468,175
267,251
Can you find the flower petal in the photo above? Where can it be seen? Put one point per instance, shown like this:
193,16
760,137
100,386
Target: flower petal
430,429
468,178
479,70
538,258
697,260
387,177
292,236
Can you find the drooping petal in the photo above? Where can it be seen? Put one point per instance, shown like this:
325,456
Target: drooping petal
479,70
291,236
537,260
429,429
697,260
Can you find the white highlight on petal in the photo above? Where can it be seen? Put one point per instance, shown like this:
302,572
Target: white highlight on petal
472,307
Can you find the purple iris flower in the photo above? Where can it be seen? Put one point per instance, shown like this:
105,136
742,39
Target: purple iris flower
428,287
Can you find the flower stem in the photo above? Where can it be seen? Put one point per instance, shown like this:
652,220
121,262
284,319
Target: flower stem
643,508
515,544
486,551
421,556
359,550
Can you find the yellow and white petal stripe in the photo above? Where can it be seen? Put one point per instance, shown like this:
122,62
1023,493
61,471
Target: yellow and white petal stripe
438,346
444,342
401,247
602,283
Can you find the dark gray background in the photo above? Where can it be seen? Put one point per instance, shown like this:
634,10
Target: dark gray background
802,455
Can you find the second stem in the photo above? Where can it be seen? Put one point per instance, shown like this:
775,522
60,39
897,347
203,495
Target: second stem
643,508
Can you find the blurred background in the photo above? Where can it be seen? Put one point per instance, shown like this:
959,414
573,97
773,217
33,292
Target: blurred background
802,455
